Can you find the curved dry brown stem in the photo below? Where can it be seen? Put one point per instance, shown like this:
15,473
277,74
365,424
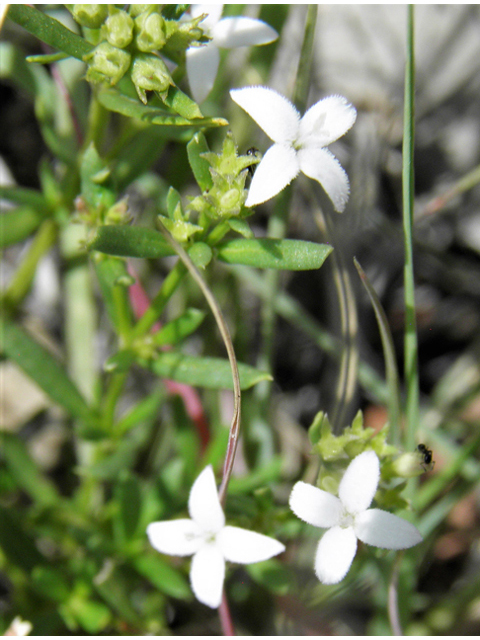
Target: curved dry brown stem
225,333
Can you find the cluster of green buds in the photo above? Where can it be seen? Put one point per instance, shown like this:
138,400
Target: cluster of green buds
336,453
225,199
131,40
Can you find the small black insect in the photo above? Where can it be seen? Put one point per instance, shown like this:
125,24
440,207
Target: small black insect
427,455
253,151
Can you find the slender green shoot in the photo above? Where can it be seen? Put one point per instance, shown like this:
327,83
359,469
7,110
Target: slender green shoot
411,344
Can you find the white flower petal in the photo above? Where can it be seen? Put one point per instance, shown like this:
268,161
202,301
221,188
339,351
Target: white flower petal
242,32
176,537
202,67
322,166
360,482
207,574
272,112
315,506
382,529
213,11
335,554
326,121
241,545
278,167
203,503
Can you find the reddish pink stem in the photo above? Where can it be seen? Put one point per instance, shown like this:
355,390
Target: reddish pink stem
226,621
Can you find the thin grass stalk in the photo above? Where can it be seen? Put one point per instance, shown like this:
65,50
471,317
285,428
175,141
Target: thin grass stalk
411,343
393,382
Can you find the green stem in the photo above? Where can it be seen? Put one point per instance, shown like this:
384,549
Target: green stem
411,345
22,280
160,301
97,121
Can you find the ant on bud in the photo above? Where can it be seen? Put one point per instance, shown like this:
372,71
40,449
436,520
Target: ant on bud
427,455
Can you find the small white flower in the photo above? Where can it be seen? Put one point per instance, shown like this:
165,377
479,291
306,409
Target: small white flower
348,518
228,33
209,540
299,143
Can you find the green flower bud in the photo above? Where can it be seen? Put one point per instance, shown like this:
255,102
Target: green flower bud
118,213
107,63
231,202
150,28
408,465
90,15
180,229
118,29
150,73
136,9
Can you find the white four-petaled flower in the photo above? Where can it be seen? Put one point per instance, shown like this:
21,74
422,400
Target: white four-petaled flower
228,33
209,540
299,143
348,518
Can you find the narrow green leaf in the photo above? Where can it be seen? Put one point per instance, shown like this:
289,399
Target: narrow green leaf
163,576
180,328
128,498
182,104
50,583
42,367
46,58
127,241
49,30
113,277
198,164
144,410
210,373
23,196
18,224
269,253
15,544
131,107
25,471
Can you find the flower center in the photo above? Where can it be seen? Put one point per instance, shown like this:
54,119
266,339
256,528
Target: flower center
346,520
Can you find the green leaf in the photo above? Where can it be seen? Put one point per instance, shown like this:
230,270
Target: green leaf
50,583
200,167
211,373
25,471
46,58
127,241
128,498
163,576
180,328
23,196
131,107
183,104
15,544
49,30
43,368
112,275
91,615
241,226
269,253
18,224
272,575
